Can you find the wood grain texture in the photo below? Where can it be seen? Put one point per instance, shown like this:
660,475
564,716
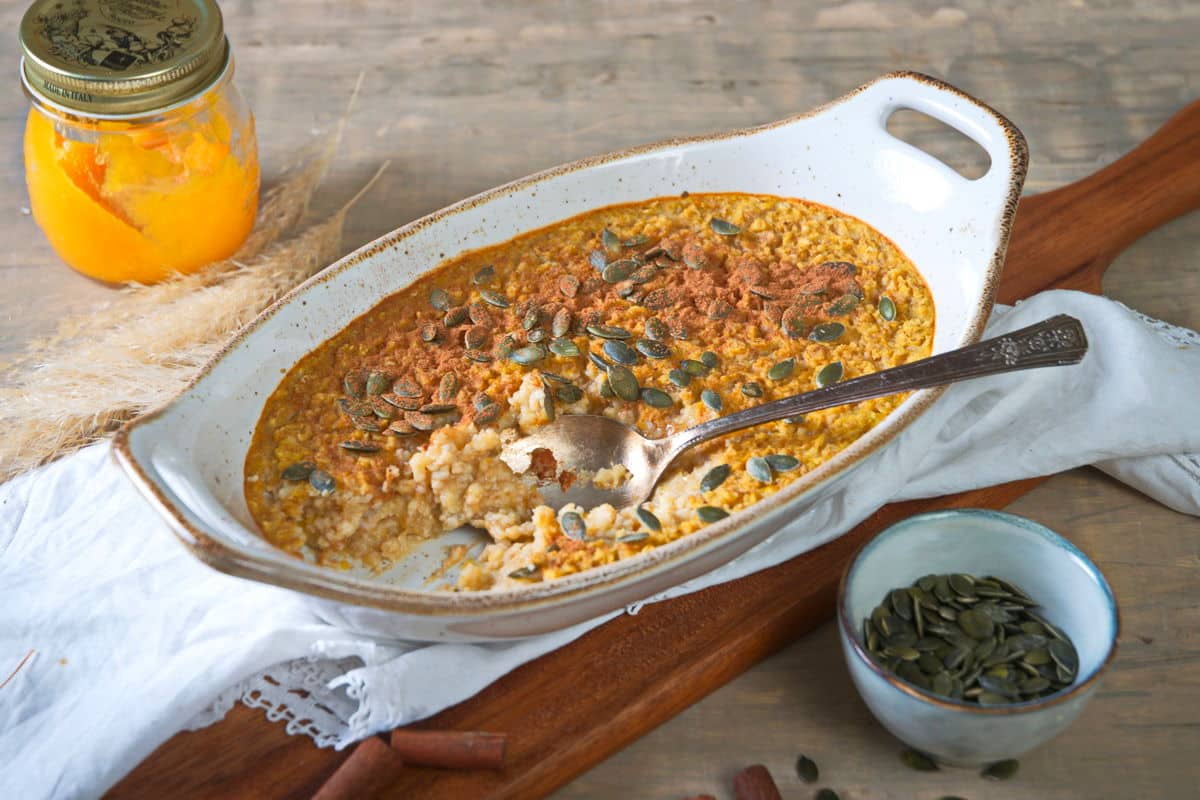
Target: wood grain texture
465,95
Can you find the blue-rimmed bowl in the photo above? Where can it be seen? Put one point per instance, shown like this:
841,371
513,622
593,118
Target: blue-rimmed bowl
1072,593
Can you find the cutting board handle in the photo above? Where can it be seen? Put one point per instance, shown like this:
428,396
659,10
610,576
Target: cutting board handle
1078,229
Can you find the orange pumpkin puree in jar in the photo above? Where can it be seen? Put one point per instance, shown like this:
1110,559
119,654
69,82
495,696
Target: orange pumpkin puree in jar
144,164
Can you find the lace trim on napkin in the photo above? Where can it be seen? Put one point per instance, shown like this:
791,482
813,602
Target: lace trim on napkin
298,692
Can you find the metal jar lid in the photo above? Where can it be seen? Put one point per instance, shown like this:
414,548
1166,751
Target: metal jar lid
121,58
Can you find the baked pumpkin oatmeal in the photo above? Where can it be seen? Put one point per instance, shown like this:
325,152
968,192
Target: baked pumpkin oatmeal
662,314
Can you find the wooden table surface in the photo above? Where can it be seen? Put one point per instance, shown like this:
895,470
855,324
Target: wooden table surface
464,95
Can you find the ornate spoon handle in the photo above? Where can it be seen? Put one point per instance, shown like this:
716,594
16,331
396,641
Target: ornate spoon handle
1056,341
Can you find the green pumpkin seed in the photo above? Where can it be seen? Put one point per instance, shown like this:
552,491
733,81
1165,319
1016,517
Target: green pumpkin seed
829,374
714,477
793,323
354,383
635,241
758,468
648,519
298,471
620,352
493,298
679,378
564,347
962,585
573,526
975,624
752,389
630,538
381,407
658,299
723,227
377,383
401,428
478,356
843,305
440,299
694,368
568,394
608,332
782,463
437,408
887,308
1064,656
447,387
479,314
652,349
623,382
917,760
536,335
712,400
606,390
618,271
643,275
762,291
476,337
488,413
656,330
484,275
656,398
782,370
806,769
709,359
599,361
322,481
530,354
711,514
827,332
366,424
525,573
355,446
1001,770
430,333
456,316
560,325
355,408
610,240
598,260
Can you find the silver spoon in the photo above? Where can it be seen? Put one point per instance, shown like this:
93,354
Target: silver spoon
587,443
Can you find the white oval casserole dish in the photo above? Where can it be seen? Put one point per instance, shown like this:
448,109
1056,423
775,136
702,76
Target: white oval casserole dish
188,456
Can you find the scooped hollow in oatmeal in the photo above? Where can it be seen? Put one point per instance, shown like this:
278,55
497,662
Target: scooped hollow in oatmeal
662,314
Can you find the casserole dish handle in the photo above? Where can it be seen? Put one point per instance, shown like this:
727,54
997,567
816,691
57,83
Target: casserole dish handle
999,138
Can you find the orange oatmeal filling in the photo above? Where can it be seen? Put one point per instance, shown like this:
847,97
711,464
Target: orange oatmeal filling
662,313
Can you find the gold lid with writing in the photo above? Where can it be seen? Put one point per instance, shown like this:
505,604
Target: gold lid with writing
121,58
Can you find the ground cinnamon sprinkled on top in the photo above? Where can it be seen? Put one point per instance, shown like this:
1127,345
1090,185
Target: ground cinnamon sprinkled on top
662,314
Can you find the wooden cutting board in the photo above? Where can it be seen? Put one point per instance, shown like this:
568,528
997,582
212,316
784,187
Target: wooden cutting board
570,709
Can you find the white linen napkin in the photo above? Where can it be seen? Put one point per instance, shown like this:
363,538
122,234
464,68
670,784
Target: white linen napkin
123,638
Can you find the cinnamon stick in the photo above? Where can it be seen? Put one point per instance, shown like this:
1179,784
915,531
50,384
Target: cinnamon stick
755,783
370,769
450,749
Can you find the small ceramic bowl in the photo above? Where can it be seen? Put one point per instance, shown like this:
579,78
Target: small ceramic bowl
1074,596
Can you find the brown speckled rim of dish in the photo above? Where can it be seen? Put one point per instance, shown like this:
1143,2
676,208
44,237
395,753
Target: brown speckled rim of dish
849,627
280,569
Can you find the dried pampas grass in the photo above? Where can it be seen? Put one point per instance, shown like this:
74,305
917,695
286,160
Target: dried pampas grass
143,347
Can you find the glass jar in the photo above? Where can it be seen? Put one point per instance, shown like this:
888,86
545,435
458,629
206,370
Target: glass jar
140,155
